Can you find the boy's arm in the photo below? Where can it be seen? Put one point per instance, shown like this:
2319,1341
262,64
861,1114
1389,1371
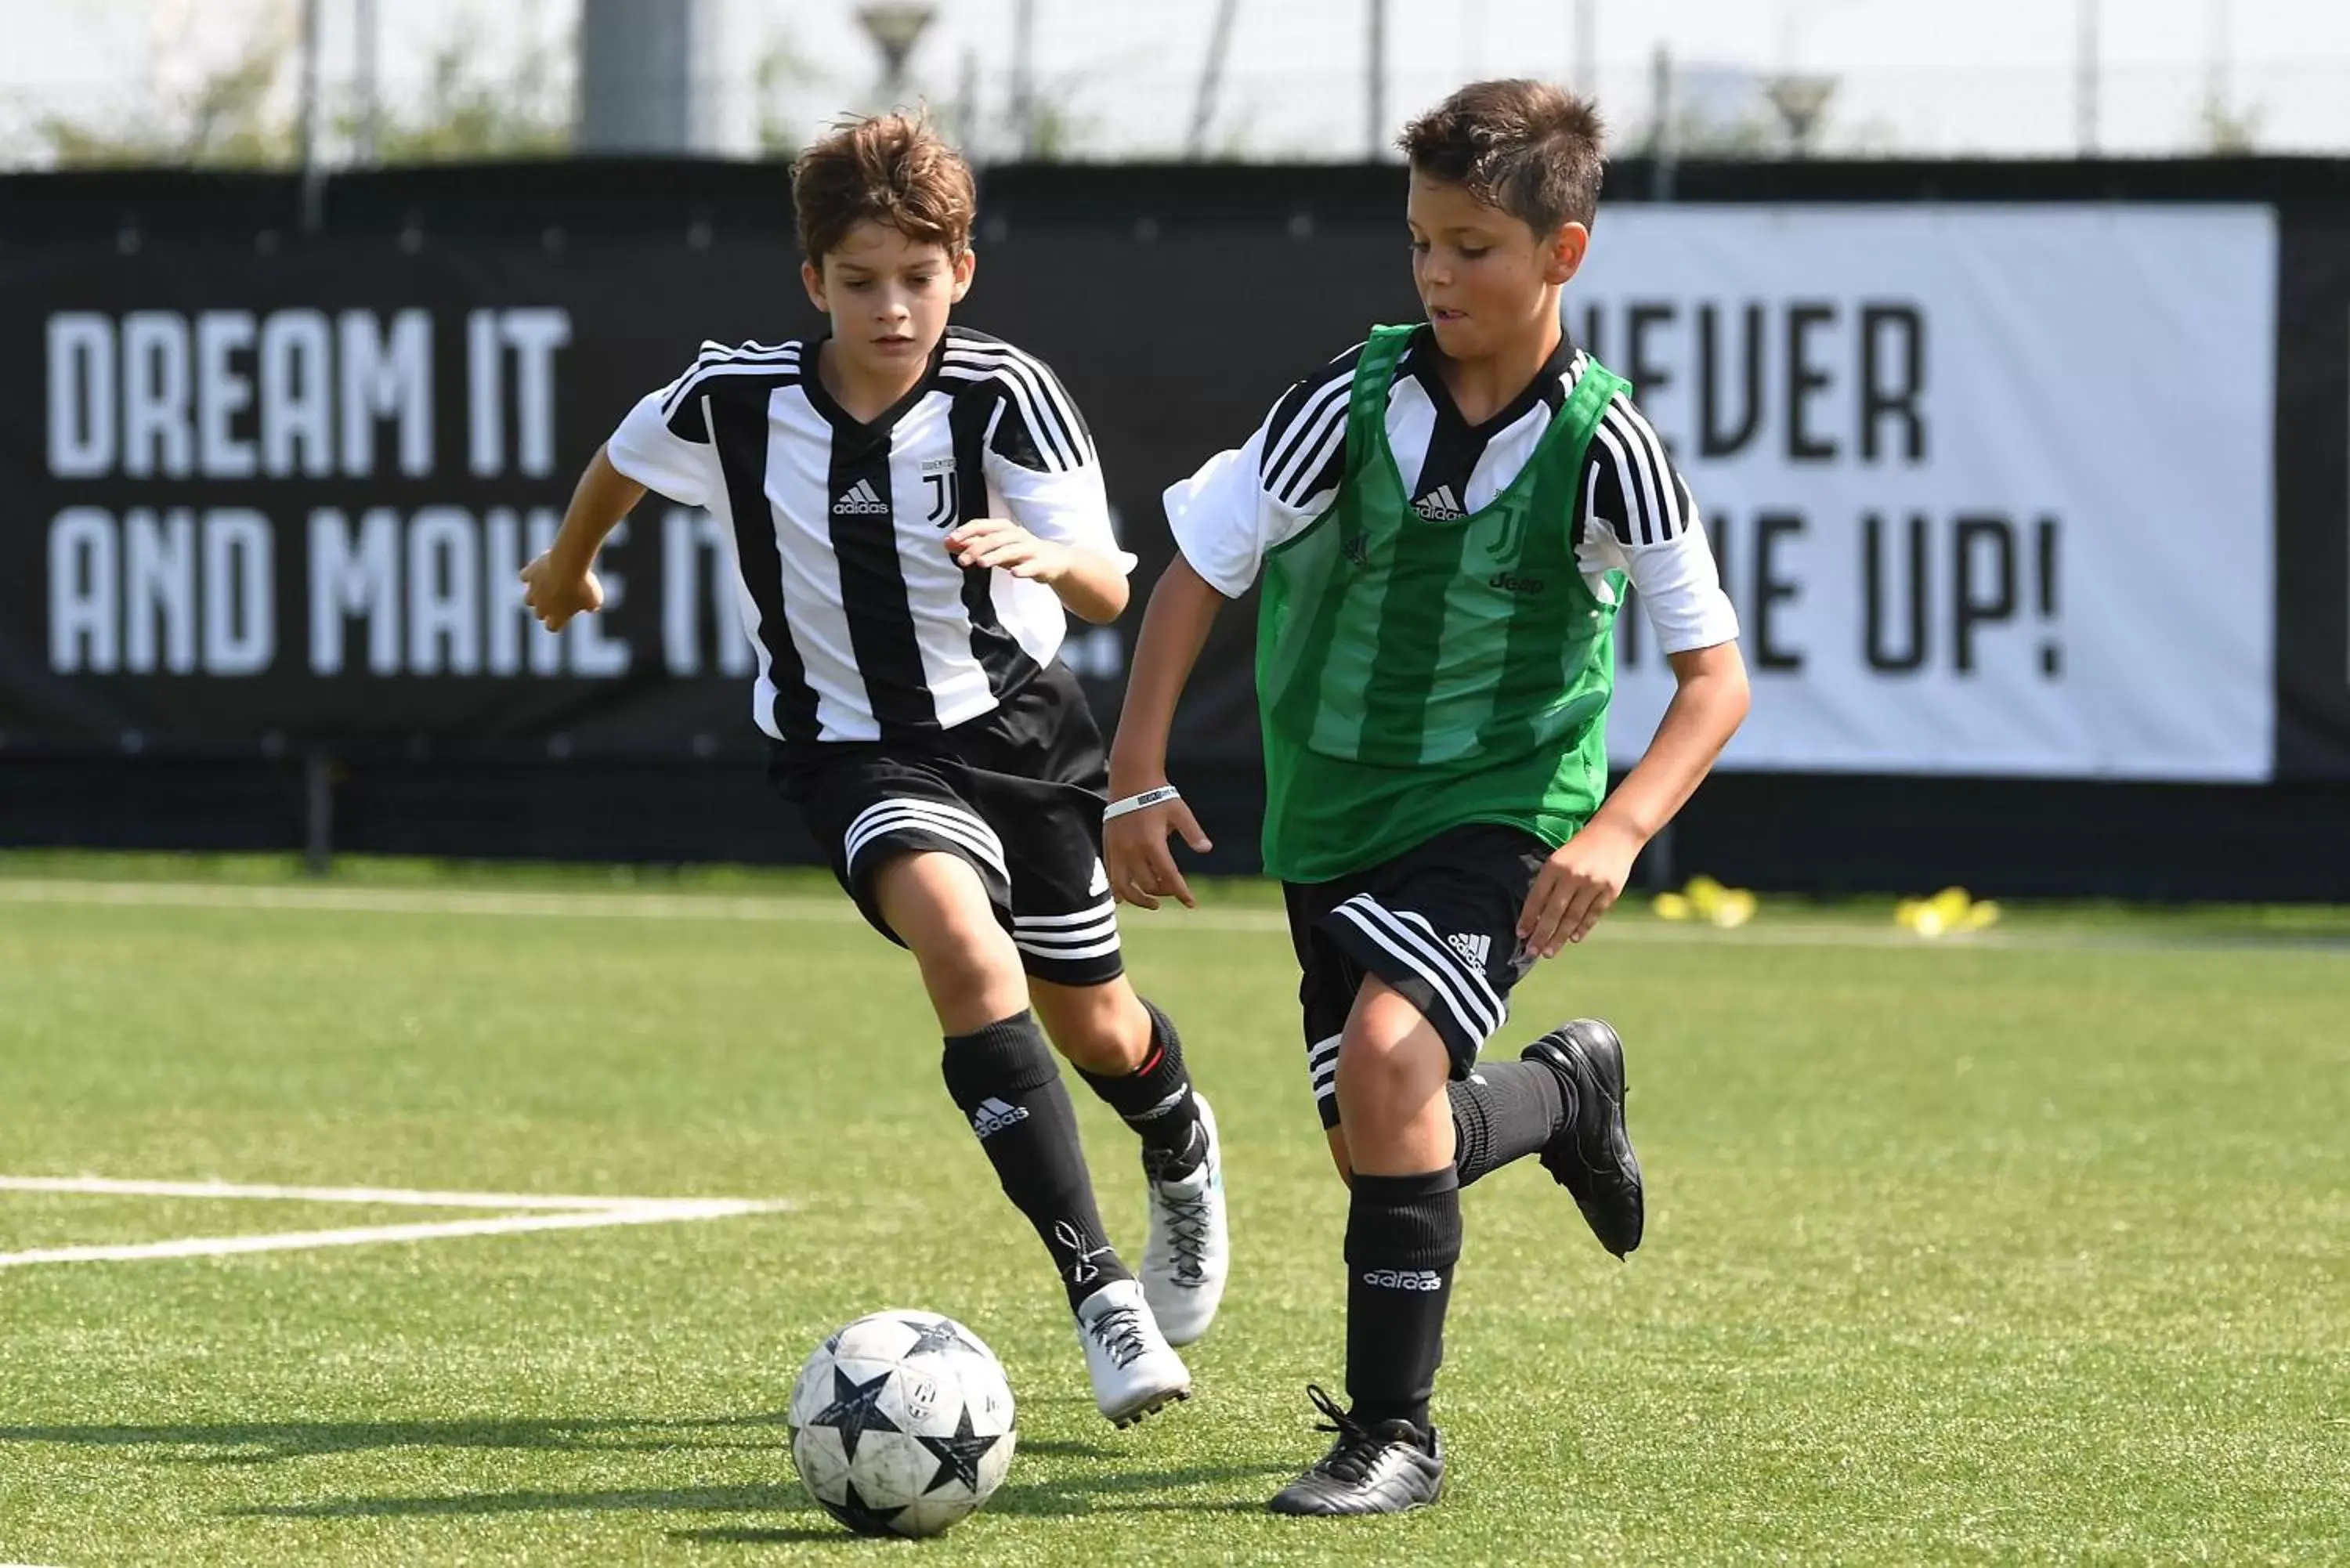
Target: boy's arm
1091,583
1133,847
1584,875
562,583
1039,460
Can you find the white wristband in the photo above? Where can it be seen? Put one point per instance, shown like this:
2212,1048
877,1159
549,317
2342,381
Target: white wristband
1143,802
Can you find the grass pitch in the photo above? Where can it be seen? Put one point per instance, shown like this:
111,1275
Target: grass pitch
2034,1249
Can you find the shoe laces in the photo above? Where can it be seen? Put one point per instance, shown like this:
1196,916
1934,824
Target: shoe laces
1187,1233
1350,1459
1118,1330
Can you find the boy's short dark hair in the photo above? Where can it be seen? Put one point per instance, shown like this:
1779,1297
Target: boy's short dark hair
1532,149
892,168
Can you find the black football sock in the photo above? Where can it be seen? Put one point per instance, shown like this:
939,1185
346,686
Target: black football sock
1002,1077
1155,1100
1502,1111
1403,1238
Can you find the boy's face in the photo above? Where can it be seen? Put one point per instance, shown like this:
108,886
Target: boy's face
887,296
1484,278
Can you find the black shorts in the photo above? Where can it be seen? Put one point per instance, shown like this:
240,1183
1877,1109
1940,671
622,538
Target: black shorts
1438,923
1017,794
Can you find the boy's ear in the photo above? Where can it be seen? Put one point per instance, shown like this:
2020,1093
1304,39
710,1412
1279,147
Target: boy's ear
812,279
1564,251
965,264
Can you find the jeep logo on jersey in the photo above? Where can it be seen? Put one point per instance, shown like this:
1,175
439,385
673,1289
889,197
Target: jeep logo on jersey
1510,584
860,500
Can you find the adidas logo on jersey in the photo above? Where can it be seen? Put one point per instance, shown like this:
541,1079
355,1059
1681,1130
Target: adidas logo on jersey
993,1116
1440,505
860,500
1403,1279
1477,947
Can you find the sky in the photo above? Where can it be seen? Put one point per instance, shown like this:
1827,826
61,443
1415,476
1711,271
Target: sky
1913,75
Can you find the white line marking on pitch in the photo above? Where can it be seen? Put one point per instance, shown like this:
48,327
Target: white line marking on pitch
551,1213
1801,933
385,1197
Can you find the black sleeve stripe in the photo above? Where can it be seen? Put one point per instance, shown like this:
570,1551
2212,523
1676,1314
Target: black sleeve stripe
1603,494
1053,427
1315,455
1640,477
1019,392
1298,418
1672,519
751,359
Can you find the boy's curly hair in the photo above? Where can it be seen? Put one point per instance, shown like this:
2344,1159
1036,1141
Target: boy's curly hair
892,168
1532,149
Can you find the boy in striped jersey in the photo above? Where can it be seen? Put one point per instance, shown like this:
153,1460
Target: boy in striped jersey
1443,522
915,509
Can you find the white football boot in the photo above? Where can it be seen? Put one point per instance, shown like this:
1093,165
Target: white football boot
1135,1371
1189,1253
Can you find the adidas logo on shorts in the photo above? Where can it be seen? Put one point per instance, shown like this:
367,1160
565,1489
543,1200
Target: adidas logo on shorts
1477,947
993,1116
1403,1279
860,500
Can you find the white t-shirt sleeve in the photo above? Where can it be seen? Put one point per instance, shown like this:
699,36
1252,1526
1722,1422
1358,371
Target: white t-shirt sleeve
665,448
1640,519
1041,463
1244,502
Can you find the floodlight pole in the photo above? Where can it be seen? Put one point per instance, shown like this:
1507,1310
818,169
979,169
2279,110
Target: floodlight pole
313,197
2086,65
363,73
1375,84
1024,78
1211,75
1585,66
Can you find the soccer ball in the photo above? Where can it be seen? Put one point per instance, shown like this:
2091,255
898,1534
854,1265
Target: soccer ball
901,1424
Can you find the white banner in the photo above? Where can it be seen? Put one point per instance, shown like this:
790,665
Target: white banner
1992,484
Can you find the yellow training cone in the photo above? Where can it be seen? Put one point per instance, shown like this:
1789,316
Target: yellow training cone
1736,907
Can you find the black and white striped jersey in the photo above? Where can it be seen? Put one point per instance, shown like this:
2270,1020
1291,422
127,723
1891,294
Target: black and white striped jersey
1634,514
865,627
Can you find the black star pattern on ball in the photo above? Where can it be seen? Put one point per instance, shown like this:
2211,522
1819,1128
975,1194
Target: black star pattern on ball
958,1455
855,1410
853,1511
937,1337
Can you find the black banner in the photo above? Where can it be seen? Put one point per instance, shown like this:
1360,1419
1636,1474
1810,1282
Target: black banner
281,499
2313,494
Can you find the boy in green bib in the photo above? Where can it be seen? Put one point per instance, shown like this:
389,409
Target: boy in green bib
1443,523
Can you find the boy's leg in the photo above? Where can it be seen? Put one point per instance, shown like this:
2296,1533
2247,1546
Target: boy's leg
1403,1241
1129,1053
1038,776
1000,1074
996,1063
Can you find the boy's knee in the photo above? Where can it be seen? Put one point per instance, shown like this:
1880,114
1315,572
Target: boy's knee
1101,1028
939,908
1379,1071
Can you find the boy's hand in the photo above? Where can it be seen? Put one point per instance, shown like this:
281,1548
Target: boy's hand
1579,883
555,593
1141,868
1000,541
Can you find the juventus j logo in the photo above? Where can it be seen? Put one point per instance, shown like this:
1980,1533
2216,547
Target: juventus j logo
1503,545
946,498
